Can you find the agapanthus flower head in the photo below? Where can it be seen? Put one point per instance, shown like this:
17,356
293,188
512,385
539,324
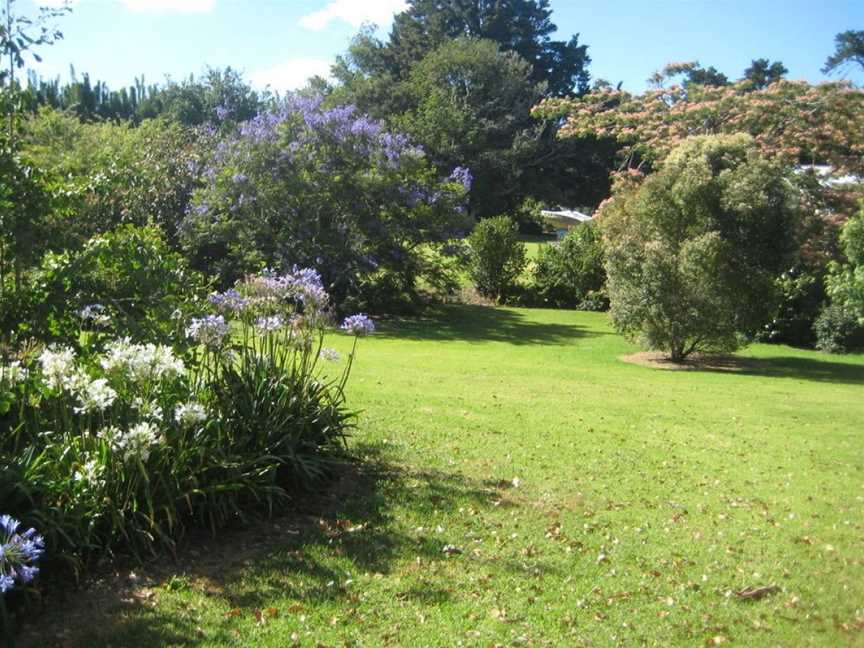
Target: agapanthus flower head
209,330
90,472
18,552
330,355
95,396
135,443
190,413
230,301
13,373
269,324
142,362
58,366
358,324
149,409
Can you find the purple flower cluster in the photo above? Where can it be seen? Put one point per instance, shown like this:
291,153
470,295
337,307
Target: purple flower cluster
230,301
210,330
269,324
461,175
17,553
358,324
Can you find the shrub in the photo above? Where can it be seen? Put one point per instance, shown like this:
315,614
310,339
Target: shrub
123,445
837,330
109,174
693,251
127,282
567,272
801,298
497,257
845,281
326,188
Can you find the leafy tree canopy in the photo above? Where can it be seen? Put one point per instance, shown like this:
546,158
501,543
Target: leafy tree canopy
763,73
693,249
520,26
848,50
795,122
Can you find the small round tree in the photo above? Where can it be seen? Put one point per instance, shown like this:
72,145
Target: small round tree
692,251
497,256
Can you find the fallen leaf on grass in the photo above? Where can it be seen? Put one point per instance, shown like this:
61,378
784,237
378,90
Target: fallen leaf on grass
755,593
451,550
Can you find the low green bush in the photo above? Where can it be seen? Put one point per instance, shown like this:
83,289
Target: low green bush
127,282
838,330
569,273
497,257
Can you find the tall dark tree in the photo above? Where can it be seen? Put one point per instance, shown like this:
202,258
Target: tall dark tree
848,50
461,76
707,77
763,73
521,26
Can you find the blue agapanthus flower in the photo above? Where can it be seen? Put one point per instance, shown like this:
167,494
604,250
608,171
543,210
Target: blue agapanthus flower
209,330
358,324
17,553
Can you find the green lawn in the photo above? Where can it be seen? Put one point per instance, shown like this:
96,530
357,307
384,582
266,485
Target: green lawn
591,503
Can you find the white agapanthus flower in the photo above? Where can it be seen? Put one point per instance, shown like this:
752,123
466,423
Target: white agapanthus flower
136,442
95,396
58,368
90,472
190,413
142,362
330,355
149,409
13,373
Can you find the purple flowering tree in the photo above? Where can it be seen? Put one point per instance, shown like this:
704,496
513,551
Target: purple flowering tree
325,188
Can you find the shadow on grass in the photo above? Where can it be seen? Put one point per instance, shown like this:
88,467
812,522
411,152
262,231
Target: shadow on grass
812,369
477,323
302,556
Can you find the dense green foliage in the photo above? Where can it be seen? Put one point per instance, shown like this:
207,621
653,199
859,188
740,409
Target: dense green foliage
121,445
801,297
107,174
845,281
324,188
145,289
692,252
461,78
217,96
838,329
569,273
497,256
521,26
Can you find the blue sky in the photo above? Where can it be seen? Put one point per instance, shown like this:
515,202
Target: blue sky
281,42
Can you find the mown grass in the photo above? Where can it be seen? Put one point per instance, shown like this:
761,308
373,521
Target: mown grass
587,502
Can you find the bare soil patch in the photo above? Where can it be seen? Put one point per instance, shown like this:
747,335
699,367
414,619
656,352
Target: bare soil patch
695,362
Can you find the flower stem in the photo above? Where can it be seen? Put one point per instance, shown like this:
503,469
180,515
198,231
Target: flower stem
7,626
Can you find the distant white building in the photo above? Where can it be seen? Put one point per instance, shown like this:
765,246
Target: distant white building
827,176
564,219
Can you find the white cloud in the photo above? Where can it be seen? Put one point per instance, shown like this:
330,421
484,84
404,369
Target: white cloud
186,6
56,4
292,74
354,12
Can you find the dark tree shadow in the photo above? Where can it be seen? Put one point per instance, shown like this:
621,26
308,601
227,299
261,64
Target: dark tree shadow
816,370
477,323
290,556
